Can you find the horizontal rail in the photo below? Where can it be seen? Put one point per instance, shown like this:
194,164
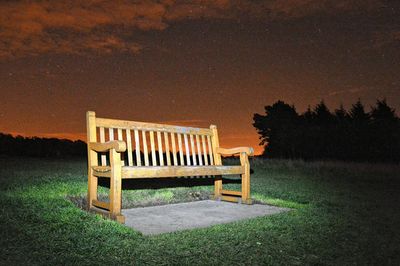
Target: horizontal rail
177,171
115,123
231,199
231,192
101,204
169,171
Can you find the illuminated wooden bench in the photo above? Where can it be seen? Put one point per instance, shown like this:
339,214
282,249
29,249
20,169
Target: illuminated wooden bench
118,149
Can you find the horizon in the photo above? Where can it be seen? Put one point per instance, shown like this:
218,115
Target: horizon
196,64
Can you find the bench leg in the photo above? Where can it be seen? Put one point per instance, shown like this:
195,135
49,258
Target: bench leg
92,185
217,187
244,160
115,186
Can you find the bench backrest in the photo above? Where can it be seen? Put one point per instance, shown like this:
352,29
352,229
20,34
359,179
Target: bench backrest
150,144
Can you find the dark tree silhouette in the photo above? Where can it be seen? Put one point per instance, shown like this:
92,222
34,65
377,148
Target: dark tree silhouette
358,114
277,128
41,147
322,115
320,134
385,130
341,115
359,134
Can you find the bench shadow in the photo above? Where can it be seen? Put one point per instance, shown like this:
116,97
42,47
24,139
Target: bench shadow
173,182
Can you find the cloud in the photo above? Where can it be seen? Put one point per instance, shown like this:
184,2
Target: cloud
384,38
302,8
105,26
352,90
31,28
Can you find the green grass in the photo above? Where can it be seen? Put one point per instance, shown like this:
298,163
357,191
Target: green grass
342,214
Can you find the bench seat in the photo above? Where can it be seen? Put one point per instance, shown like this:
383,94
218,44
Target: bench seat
169,171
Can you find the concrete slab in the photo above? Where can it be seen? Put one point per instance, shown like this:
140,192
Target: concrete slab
199,214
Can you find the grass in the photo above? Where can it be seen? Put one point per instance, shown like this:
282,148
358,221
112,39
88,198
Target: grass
342,214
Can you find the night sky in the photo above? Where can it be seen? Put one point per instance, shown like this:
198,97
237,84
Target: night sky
207,62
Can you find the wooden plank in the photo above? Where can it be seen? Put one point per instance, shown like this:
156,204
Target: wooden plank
92,158
210,153
137,148
115,183
231,192
166,141
217,160
102,174
244,161
199,149
102,140
248,150
187,149
110,134
129,147
174,149
153,149
177,171
101,204
145,150
192,149
230,198
121,138
106,214
160,148
119,130
203,142
102,169
182,162
119,146
116,123
215,145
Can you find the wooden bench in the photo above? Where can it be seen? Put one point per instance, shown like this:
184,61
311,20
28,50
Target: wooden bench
118,149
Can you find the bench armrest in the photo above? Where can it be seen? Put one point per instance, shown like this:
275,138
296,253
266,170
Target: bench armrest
118,145
248,150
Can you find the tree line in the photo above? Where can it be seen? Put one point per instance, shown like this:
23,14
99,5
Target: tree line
318,133
41,147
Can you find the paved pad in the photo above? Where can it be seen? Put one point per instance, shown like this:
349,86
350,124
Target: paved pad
181,216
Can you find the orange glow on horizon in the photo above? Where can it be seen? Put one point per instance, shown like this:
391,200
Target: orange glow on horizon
225,142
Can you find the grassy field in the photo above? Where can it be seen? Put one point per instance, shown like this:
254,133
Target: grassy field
342,214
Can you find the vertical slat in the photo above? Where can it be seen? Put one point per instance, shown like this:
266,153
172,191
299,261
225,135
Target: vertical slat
137,149
203,141
145,150
167,148
180,149
120,138
199,149
119,133
217,161
215,145
174,149
192,149
160,148
210,151
92,158
153,149
187,149
110,134
129,144
102,140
